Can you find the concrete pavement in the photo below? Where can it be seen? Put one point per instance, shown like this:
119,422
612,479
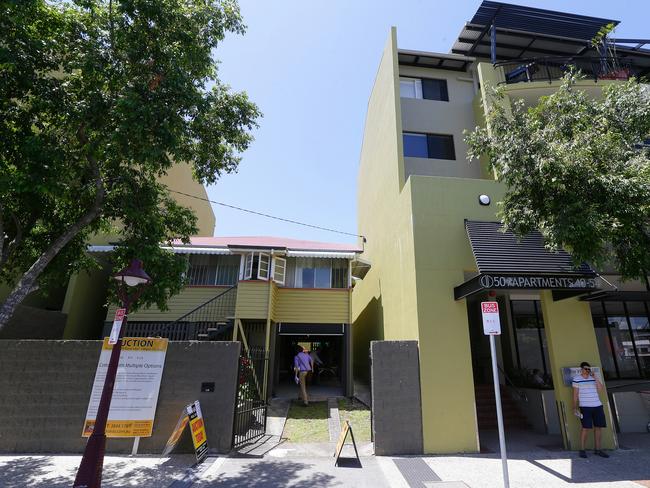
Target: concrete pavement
289,465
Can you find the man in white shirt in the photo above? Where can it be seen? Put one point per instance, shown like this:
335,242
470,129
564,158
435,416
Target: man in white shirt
588,407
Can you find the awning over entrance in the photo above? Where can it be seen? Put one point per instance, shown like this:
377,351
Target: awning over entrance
507,263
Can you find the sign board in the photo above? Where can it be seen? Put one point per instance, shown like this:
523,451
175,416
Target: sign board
570,372
347,429
135,394
491,322
191,414
197,428
120,313
176,434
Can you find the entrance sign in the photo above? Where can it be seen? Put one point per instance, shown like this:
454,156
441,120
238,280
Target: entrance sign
491,322
498,281
197,428
135,395
120,313
347,428
491,328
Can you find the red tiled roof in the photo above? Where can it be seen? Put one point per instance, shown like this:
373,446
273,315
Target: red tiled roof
272,242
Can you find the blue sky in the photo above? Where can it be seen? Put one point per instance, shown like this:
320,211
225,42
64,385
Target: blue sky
310,66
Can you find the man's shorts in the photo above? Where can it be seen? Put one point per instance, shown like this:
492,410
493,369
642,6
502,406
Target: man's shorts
593,417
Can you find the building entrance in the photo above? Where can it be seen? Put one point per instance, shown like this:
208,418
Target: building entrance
329,353
526,384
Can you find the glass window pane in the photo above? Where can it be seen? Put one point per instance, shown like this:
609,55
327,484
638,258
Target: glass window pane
435,90
441,147
530,353
622,346
415,145
307,277
641,331
322,278
408,88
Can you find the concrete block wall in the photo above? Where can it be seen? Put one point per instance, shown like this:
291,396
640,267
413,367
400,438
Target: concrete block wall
396,399
45,387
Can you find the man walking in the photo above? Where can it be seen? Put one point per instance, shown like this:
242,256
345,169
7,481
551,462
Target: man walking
588,407
302,365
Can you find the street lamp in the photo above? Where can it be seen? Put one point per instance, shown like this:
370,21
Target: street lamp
89,474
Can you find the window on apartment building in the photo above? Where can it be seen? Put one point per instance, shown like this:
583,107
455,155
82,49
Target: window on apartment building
429,89
433,146
211,270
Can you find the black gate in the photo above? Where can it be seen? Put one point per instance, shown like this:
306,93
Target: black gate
250,408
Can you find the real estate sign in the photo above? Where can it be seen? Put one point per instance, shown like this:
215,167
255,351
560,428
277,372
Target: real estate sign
135,395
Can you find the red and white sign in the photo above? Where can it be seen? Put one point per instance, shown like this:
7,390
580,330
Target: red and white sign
120,313
491,322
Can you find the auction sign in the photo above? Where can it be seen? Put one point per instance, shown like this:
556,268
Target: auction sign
197,427
135,395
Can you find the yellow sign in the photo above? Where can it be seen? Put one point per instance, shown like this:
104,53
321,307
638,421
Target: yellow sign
197,428
135,394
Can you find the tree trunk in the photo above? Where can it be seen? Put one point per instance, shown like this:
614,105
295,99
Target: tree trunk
27,282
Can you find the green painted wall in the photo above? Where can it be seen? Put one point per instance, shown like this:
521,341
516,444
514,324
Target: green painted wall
571,339
84,304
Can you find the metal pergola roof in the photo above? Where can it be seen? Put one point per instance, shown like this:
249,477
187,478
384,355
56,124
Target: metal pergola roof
527,32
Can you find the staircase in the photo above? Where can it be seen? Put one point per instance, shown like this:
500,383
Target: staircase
210,321
486,410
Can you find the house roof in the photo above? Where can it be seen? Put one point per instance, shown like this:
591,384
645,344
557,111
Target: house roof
270,242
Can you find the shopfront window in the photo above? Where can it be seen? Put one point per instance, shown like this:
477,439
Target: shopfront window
623,334
530,338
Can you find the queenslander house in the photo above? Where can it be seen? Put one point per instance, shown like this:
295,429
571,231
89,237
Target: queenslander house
438,250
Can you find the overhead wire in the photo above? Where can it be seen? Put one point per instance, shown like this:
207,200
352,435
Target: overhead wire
262,214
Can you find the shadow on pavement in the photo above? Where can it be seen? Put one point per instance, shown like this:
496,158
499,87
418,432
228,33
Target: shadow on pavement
270,474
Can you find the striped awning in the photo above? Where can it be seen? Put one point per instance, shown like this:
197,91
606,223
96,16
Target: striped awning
506,262
176,249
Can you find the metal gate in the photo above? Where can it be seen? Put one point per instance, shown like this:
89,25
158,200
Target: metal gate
250,407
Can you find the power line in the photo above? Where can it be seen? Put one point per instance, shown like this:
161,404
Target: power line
268,215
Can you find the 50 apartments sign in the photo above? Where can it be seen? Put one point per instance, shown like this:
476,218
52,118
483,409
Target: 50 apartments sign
538,282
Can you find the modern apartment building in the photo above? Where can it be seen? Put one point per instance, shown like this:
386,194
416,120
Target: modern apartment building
436,245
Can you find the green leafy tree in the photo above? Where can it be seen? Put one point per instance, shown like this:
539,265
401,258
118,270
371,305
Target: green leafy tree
575,169
98,100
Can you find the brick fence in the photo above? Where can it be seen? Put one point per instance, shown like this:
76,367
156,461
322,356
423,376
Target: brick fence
45,387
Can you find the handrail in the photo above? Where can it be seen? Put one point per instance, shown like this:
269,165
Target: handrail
179,319
521,394
628,384
546,68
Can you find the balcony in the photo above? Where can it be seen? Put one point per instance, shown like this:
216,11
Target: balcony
551,69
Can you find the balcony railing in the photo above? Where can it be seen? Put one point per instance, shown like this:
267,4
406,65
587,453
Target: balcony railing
551,69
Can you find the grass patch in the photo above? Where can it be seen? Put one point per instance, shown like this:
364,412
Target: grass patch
307,423
358,415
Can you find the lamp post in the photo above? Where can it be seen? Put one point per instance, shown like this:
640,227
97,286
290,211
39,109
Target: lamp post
89,474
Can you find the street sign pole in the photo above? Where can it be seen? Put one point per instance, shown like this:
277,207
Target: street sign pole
491,328
497,395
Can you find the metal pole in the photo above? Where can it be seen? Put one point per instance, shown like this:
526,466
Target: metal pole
136,443
497,395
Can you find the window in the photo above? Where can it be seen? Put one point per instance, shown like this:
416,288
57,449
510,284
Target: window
530,339
433,146
429,89
623,335
210,270
279,269
317,273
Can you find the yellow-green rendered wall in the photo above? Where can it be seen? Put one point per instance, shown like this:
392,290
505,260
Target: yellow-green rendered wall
442,255
385,300
571,339
84,304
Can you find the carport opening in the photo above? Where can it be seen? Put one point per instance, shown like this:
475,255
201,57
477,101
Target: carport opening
327,379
